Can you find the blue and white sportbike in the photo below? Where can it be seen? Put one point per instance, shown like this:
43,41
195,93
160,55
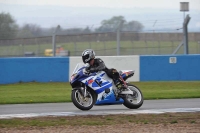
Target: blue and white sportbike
97,88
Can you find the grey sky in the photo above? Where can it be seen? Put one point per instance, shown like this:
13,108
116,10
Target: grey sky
169,4
77,13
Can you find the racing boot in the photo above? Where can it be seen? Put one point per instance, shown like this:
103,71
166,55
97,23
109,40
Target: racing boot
121,84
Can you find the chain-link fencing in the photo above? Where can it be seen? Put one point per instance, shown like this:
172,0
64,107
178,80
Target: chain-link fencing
104,44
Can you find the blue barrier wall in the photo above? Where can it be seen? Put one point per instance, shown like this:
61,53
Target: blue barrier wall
159,68
152,68
13,70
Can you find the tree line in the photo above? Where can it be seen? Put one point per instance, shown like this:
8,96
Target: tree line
9,29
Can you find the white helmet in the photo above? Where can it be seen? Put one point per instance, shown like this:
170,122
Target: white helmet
87,55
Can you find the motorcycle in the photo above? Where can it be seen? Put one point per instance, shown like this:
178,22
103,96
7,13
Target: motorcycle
89,89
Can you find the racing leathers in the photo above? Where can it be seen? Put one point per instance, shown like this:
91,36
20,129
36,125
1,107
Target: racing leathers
99,65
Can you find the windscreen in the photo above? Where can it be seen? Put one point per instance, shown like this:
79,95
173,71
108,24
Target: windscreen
78,66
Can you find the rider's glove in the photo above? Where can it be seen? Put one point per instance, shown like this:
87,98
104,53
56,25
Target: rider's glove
93,70
87,70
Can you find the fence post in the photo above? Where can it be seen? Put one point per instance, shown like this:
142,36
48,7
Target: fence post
118,37
132,41
159,47
146,44
104,48
185,31
23,47
53,44
185,36
54,40
38,49
75,46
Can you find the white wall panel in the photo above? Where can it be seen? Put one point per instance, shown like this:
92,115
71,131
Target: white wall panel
117,62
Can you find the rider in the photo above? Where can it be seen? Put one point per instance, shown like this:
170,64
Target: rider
96,64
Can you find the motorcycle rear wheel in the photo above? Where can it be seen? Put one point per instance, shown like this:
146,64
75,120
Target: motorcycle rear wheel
133,101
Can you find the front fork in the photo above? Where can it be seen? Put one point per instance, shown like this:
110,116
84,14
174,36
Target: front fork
83,90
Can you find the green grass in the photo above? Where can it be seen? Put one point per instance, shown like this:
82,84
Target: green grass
35,93
61,92
104,48
169,90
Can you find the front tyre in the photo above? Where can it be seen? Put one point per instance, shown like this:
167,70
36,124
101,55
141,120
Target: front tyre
133,101
81,102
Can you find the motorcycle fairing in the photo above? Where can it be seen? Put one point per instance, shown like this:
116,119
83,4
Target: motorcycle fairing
126,74
99,82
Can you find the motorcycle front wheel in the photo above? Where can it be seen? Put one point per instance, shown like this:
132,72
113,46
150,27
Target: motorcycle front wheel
81,102
133,101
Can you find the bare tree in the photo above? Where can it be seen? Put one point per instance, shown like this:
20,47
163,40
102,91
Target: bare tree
29,30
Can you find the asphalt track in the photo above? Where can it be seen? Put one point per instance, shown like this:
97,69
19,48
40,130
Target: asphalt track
68,109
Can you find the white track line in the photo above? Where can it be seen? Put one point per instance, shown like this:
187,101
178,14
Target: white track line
152,111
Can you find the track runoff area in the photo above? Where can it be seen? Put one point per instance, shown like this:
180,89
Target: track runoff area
151,111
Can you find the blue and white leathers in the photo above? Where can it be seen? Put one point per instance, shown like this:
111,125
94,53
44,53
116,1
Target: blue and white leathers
99,82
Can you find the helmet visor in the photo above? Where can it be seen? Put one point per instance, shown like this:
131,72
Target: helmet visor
86,58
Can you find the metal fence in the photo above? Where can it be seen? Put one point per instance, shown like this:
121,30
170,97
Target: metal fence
104,44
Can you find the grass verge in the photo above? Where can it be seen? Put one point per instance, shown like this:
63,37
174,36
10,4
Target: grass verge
61,92
167,118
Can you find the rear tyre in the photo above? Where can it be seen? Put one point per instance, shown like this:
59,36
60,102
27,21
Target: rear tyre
133,101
